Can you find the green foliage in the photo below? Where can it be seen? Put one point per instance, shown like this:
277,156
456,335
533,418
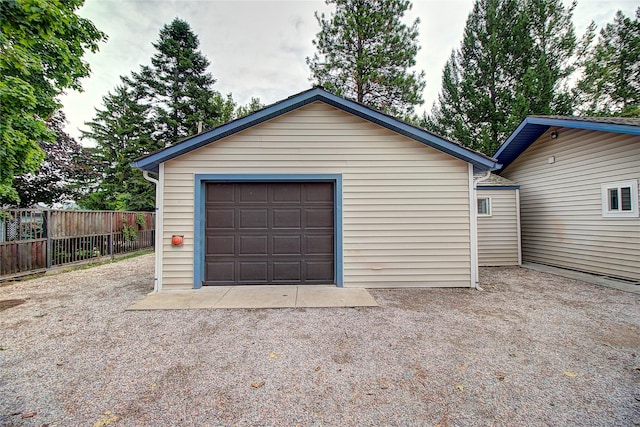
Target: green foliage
253,106
513,61
129,232
177,85
140,221
163,103
365,51
225,106
66,169
41,48
122,132
610,82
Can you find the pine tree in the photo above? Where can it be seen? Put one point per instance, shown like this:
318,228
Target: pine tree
244,110
178,85
550,62
122,132
365,51
610,82
513,61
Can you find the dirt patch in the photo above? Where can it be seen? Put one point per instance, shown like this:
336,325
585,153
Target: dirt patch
10,303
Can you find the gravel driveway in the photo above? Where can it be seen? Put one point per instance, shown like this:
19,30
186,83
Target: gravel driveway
531,349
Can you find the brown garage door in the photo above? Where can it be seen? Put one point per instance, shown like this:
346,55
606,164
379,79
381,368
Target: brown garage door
269,233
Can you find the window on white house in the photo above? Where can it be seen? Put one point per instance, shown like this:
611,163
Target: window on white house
484,206
620,199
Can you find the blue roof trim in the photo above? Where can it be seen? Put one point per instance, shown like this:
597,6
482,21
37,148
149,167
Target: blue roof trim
532,128
152,161
498,187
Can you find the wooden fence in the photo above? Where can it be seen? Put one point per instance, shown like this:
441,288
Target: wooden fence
36,240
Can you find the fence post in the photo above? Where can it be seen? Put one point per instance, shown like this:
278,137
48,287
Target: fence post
49,242
111,235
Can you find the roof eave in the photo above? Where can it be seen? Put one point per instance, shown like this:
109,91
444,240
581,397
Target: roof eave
532,128
151,162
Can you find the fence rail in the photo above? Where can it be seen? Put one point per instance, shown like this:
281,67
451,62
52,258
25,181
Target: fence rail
33,240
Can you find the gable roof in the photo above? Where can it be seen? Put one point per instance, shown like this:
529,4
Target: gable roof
152,161
496,181
533,126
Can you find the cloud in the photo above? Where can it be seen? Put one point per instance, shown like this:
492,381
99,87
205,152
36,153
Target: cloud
258,48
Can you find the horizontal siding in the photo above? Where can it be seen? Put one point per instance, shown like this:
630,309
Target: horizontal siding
405,205
498,233
560,203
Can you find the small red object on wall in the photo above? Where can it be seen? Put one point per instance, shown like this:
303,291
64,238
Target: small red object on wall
177,240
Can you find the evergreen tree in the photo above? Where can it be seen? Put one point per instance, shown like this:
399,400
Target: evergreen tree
66,169
610,82
513,61
170,100
550,62
253,106
365,51
122,132
178,85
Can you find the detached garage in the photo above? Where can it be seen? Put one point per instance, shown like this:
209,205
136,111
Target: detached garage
316,189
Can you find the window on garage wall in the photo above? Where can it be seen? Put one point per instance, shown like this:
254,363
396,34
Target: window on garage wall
484,206
620,199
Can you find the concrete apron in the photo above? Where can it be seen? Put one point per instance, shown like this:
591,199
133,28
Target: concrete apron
256,297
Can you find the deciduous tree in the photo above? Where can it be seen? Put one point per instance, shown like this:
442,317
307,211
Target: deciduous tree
41,48
63,174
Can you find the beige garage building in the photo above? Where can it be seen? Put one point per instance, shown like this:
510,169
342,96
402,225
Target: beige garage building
498,222
317,189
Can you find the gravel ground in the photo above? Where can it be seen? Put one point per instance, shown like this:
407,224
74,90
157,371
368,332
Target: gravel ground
531,349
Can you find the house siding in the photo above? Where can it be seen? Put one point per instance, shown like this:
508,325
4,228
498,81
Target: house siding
561,211
498,243
405,205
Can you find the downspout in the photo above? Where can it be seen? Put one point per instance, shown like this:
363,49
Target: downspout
157,285
519,233
473,216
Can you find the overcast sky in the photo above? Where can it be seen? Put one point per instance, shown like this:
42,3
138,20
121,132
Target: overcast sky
258,48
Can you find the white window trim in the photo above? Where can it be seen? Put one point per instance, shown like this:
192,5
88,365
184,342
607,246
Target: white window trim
489,205
604,190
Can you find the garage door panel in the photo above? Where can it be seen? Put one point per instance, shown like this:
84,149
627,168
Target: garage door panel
254,245
269,233
287,271
254,218
318,193
254,193
319,245
287,218
319,218
220,218
286,193
220,193
287,245
221,245
320,271
223,271
252,271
